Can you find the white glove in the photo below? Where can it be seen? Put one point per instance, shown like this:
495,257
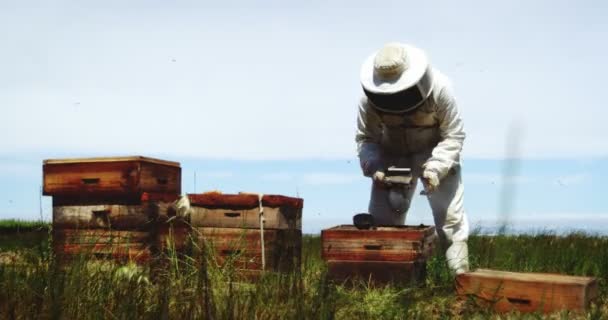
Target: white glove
182,206
378,177
430,180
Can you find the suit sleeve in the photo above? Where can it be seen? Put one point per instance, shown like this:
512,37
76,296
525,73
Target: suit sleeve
446,154
369,131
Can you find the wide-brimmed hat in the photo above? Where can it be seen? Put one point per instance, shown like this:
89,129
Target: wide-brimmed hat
397,78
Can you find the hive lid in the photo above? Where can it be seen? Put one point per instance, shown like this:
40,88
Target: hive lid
417,232
111,159
242,201
409,228
531,277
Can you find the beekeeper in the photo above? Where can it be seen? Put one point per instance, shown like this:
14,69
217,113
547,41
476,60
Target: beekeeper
408,118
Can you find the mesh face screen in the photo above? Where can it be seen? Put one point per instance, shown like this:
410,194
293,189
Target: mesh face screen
397,102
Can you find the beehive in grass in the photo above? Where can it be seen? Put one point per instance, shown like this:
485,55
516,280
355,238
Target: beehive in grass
254,233
381,254
528,292
110,207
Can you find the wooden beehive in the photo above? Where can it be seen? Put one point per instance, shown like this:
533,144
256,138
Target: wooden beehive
243,211
243,249
146,223
172,233
102,216
228,228
110,207
102,243
382,254
117,177
528,292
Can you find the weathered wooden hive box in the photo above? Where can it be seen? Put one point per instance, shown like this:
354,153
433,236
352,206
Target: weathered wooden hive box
229,228
528,292
119,177
110,207
384,254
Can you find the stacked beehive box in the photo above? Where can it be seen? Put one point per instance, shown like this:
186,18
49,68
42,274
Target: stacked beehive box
109,207
381,254
254,233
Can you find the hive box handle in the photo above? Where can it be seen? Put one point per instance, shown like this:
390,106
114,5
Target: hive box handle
232,214
90,180
162,181
99,213
519,301
372,246
231,252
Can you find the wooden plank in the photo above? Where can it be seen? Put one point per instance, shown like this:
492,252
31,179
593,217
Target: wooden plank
275,218
346,244
73,236
528,292
145,199
85,248
117,177
157,178
231,240
246,237
172,236
375,252
376,272
69,244
396,233
91,178
70,252
400,243
102,216
96,200
242,247
241,260
243,201
112,159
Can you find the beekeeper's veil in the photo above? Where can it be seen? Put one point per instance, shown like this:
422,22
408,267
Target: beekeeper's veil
397,79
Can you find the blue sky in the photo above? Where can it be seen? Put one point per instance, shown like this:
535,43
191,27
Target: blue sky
547,194
262,96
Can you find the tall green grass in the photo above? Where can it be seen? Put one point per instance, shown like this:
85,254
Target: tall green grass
181,287
16,225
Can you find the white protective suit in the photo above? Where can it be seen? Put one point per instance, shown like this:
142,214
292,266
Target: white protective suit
431,136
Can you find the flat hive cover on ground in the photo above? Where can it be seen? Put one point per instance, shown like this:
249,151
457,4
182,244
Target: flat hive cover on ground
528,292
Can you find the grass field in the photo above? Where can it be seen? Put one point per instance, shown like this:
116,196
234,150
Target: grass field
33,286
